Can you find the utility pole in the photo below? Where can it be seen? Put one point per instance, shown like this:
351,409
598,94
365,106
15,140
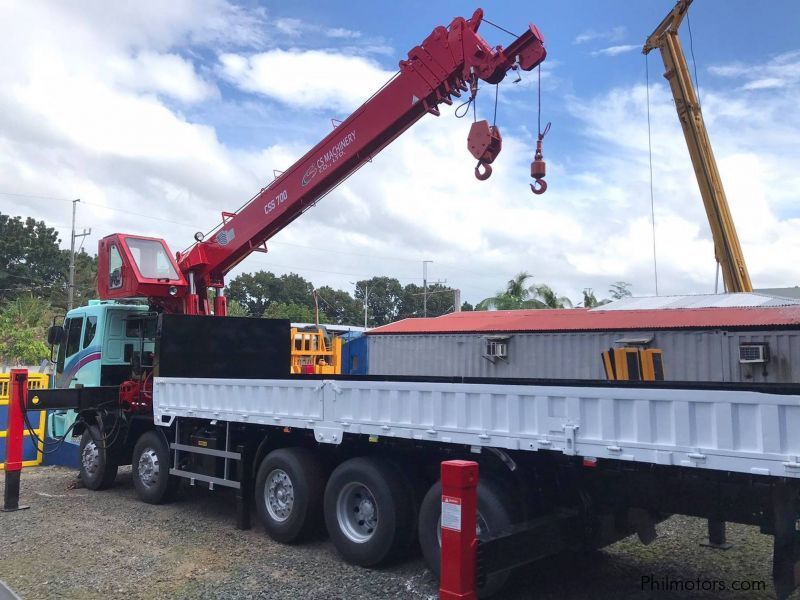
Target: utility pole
425,287
71,289
456,300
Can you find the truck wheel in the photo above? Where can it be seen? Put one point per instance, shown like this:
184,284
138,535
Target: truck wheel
495,512
289,489
150,469
98,467
368,512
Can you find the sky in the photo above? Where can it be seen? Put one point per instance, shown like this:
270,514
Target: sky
159,116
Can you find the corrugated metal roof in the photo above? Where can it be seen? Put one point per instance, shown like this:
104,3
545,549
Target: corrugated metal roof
581,319
743,299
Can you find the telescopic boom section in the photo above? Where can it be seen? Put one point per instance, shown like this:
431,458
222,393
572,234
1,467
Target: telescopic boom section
441,68
727,249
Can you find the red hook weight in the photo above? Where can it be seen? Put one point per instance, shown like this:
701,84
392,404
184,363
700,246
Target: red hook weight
539,168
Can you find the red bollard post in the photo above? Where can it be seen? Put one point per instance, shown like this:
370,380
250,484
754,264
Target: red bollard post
459,540
17,402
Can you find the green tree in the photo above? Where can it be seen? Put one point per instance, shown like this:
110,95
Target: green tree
258,290
548,297
589,299
30,258
297,313
620,290
340,306
514,296
466,306
385,296
518,295
235,309
254,290
440,301
85,281
295,289
23,324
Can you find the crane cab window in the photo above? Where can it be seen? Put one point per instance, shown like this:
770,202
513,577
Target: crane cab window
151,259
114,268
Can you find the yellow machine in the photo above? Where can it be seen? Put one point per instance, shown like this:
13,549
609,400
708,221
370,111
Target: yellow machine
32,453
633,364
727,250
315,351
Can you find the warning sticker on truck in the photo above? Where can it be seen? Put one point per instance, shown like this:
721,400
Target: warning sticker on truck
451,513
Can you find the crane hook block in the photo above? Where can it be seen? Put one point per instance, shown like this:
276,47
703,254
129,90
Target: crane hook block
484,143
538,170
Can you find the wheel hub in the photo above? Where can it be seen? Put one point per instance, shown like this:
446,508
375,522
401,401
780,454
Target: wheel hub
90,458
357,512
279,495
149,468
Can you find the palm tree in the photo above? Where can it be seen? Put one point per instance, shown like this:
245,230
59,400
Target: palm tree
548,297
518,295
589,299
515,296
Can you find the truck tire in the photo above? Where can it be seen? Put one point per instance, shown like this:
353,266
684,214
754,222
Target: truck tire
368,512
495,512
150,469
98,466
290,484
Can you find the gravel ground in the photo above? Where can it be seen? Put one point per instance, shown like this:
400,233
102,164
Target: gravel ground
73,543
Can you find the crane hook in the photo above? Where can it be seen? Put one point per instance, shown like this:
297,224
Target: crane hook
538,166
486,173
539,187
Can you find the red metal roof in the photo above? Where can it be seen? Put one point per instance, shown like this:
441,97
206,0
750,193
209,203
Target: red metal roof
582,319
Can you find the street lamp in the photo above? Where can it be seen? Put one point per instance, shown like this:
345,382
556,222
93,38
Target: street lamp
366,299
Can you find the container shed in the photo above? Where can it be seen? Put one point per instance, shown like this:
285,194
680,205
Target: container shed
731,337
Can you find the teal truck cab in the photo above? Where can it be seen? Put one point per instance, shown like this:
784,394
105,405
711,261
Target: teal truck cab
95,348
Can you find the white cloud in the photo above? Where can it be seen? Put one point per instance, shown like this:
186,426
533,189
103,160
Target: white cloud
616,50
614,34
341,32
288,26
306,79
781,71
94,116
296,27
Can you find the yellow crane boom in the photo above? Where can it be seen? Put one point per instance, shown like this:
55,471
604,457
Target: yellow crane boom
727,249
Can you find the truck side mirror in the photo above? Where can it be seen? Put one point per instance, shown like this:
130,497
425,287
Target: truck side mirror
55,333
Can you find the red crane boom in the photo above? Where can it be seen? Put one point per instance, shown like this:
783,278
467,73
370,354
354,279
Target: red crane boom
448,62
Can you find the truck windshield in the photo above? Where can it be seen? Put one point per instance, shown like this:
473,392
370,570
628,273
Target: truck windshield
151,259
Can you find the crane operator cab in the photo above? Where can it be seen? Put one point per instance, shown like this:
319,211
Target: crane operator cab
130,266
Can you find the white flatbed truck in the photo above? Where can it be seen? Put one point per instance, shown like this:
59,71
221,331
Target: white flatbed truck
584,463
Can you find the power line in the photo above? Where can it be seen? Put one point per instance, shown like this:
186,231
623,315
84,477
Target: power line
650,156
319,249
